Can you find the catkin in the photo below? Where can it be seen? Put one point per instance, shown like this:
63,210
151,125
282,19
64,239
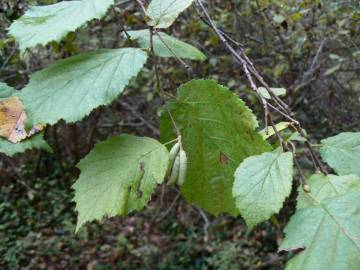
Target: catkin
172,156
182,167
175,171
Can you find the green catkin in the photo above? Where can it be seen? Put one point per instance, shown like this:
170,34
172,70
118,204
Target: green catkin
172,156
175,171
182,168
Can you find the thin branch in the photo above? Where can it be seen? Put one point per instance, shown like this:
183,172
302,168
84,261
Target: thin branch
6,61
142,6
174,124
169,209
206,221
238,58
250,71
306,78
142,119
227,36
152,53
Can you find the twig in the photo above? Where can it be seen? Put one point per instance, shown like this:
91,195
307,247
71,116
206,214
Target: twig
142,6
169,209
250,71
206,221
313,67
238,58
312,151
283,114
227,36
18,176
6,61
152,53
142,119
174,124
316,59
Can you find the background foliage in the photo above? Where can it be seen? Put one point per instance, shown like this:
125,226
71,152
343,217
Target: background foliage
283,37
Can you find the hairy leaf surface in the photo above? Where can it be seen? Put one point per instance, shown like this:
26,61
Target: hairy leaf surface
342,152
71,88
42,24
218,132
119,176
329,233
163,13
261,185
178,48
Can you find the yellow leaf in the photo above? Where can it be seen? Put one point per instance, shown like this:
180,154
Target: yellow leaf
12,120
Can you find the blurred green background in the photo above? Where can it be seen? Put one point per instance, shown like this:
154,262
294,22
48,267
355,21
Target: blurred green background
37,217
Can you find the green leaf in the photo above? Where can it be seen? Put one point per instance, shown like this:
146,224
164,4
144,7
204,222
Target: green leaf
261,185
71,88
329,233
6,91
332,70
112,169
267,133
326,186
35,142
336,57
163,13
218,132
342,152
296,136
42,24
277,91
181,49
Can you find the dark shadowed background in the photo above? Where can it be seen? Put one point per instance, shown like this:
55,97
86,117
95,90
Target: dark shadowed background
309,47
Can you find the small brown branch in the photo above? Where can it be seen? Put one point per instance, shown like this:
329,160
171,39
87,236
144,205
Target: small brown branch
174,124
142,6
312,151
306,78
283,114
227,36
140,117
152,53
206,222
169,209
